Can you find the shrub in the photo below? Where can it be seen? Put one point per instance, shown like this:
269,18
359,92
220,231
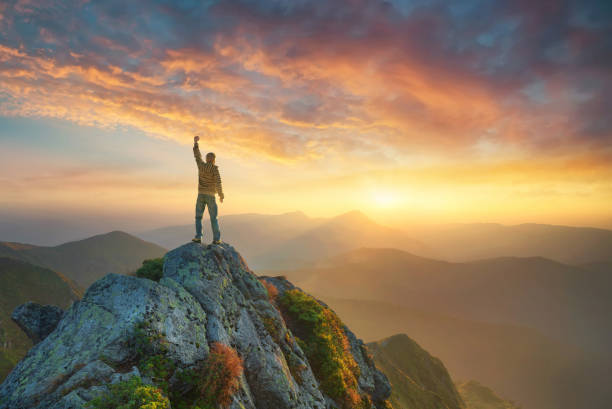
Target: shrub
130,394
320,334
271,288
221,376
152,269
210,386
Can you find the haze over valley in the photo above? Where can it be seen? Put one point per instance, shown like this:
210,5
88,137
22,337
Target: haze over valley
544,319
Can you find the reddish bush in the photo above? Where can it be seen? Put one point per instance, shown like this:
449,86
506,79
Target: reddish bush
271,288
221,376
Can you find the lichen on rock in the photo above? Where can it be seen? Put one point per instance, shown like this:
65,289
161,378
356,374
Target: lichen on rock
162,332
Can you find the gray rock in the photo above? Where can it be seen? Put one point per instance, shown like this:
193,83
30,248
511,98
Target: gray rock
99,328
206,295
36,320
372,381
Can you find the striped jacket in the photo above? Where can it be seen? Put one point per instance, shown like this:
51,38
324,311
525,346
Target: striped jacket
209,177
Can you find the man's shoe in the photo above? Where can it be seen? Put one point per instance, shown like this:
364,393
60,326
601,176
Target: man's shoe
216,242
196,240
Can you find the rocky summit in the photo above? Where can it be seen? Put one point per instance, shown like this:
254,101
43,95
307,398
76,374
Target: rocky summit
291,351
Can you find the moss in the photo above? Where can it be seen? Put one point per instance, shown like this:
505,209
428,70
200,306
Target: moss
296,367
152,269
151,355
271,327
130,394
207,385
321,336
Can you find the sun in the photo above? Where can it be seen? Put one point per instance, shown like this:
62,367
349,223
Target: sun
386,199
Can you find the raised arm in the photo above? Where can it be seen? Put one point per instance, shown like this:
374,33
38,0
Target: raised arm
196,150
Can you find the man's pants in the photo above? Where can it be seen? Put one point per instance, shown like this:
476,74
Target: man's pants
201,202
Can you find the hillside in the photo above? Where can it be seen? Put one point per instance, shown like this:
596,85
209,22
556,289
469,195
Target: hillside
536,369
208,334
418,380
20,282
478,396
567,303
84,261
566,244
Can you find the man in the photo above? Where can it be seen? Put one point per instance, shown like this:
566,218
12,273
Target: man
209,185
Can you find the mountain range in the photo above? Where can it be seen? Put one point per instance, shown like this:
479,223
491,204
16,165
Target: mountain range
420,380
567,303
518,362
277,242
566,244
546,323
523,309
84,261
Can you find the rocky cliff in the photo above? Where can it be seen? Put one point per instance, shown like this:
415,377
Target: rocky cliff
208,334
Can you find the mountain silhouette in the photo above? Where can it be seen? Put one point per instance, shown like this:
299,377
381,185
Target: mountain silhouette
84,261
568,303
566,244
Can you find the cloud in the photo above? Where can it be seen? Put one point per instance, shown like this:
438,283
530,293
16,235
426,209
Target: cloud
304,80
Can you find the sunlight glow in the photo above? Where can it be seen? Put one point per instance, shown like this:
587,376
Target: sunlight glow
386,199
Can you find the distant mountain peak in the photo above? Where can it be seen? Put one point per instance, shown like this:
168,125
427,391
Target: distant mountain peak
356,216
86,260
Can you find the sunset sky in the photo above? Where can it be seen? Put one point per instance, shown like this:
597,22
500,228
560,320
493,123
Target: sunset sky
411,111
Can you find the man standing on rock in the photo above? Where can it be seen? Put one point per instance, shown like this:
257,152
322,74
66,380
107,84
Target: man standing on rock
209,185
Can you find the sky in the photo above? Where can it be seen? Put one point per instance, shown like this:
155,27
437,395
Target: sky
411,111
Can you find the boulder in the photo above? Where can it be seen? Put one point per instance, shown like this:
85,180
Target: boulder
36,320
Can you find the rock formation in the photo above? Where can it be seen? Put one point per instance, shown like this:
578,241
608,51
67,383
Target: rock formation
36,320
164,332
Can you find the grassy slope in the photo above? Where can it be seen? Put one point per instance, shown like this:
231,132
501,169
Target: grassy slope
418,379
478,396
87,260
20,282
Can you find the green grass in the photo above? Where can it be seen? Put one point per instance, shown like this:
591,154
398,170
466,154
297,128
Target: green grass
320,334
131,394
208,385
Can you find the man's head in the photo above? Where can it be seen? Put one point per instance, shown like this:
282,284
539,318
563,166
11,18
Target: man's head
210,157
